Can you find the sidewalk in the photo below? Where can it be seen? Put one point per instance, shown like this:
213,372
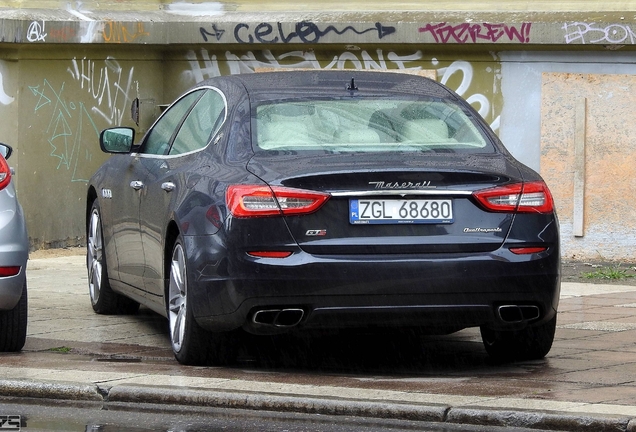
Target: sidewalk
587,382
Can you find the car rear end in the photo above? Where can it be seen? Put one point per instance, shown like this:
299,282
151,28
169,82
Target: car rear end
14,245
14,251
384,209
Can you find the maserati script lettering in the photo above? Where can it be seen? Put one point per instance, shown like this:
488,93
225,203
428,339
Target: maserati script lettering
401,185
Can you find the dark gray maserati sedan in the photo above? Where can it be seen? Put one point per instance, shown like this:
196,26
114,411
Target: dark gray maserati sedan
319,200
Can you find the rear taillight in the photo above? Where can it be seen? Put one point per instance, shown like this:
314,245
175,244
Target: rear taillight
255,201
9,271
5,173
531,197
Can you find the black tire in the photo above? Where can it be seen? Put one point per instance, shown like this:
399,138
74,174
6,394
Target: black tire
191,344
103,299
13,325
531,343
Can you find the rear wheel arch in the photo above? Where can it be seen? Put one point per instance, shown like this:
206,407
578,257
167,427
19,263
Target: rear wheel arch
91,196
172,233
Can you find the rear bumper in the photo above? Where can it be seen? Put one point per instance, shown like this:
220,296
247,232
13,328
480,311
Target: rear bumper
448,292
11,289
14,249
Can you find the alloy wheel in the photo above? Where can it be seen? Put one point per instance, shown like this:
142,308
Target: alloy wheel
177,295
94,256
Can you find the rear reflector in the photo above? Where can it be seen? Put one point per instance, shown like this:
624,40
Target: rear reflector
9,271
256,200
527,250
534,197
269,254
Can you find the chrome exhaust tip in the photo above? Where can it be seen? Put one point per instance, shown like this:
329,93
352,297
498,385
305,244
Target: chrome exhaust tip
289,317
279,317
266,316
518,313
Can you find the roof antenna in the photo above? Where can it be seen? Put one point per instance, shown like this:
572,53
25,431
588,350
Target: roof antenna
352,86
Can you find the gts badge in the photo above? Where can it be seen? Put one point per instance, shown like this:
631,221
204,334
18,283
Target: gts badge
107,193
316,232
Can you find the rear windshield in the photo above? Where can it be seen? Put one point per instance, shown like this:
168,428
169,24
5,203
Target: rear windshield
367,125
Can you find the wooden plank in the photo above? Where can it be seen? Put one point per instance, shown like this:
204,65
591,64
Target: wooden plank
578,219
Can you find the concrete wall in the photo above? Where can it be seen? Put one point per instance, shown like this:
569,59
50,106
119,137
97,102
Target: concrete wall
533,129
64,98
589,158
68,72
58,102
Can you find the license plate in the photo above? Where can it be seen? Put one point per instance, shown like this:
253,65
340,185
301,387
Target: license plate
392,211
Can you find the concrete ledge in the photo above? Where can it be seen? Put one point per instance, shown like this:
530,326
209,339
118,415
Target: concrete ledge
538,420
272,402
50,390
200,399
271,27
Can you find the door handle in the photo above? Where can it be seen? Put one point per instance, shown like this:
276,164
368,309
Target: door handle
136,184
168,186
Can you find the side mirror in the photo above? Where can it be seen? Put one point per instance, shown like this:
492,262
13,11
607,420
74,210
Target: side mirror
5,150
117,140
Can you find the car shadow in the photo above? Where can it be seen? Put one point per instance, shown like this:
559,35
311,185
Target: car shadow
365,353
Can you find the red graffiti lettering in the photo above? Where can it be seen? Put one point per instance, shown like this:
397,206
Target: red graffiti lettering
475,33
61,34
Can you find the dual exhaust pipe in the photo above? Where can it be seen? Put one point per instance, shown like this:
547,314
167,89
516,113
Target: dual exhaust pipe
281,318
518,313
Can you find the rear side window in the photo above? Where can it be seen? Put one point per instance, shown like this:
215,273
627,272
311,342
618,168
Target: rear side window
158,141
201,125
368,124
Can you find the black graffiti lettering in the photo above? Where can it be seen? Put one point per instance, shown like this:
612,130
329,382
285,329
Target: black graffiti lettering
262,30
305,31
236,33
309,32
215,32
284,38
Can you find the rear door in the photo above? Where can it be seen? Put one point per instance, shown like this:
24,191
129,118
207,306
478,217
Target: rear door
170,180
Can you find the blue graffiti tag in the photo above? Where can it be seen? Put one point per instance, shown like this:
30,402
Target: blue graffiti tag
66,140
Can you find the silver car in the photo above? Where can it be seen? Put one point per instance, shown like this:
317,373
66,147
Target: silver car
14,252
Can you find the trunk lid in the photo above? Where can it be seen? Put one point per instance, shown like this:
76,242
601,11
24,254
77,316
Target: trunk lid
422,184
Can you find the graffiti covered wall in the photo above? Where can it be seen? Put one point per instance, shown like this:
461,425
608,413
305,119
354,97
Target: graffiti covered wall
69,99
64,105
474,77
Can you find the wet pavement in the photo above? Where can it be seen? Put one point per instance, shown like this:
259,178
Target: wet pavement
587,382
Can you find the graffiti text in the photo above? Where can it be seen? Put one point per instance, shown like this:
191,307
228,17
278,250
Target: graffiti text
474,33
115,32
70,127
36,33
584,33
109,85
304,32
